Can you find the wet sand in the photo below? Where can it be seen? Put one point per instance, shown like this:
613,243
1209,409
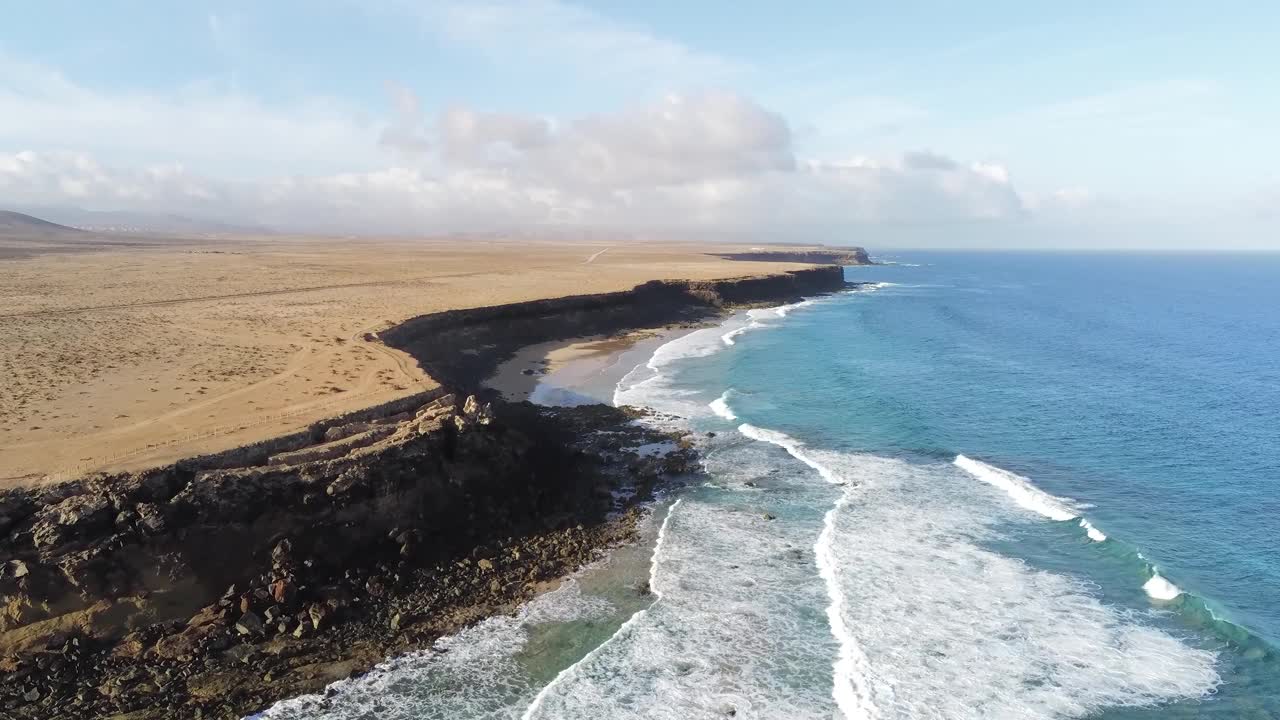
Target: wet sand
578,371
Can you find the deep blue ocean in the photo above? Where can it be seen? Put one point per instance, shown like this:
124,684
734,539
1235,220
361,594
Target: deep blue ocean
983,485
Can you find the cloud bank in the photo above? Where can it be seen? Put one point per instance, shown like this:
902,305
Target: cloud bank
700,162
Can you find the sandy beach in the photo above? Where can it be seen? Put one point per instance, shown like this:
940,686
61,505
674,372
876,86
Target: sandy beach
578,371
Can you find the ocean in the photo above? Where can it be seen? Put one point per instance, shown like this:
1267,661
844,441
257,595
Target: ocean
981,485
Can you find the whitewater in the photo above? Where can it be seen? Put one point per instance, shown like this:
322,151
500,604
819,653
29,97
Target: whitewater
806,577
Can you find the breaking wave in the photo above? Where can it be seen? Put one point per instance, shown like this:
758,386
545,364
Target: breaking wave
932,624
720,406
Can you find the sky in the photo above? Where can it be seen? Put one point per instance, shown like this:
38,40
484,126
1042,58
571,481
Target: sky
911,124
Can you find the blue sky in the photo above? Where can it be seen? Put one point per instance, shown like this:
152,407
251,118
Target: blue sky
930,124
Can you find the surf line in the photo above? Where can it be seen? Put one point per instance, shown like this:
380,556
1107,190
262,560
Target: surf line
566,673
850,687
1024,493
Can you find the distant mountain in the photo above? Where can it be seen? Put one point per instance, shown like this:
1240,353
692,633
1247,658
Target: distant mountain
142,223
16,223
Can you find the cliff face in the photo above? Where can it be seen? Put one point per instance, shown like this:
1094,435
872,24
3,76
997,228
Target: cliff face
833,256
223,582
225,588
492,335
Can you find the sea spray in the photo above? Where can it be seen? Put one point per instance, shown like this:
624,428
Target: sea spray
1159,588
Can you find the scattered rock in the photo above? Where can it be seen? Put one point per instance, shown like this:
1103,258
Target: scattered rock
151,519
249,624
283,591
14,569
344,483
77,516
319,614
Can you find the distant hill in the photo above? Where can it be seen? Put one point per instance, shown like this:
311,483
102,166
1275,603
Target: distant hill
141,223
16,223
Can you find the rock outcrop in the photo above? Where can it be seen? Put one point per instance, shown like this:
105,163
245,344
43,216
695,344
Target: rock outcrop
454,511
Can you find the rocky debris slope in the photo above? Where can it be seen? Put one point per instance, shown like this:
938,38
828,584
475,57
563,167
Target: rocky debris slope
188,592
825,256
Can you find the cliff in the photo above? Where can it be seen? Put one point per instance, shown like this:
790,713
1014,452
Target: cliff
222,583
492,335
828,256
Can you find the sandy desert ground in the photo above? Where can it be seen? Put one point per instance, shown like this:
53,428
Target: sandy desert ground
130,356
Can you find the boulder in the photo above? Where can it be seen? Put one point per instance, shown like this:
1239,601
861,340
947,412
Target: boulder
249,624
283,591
77,516
347,480
477,413
151,519
319,614
281,552
14,569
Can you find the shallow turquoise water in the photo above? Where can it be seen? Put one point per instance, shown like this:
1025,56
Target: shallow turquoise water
1144,388
991,486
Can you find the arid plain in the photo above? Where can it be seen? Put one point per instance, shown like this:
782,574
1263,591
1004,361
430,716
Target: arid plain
124,355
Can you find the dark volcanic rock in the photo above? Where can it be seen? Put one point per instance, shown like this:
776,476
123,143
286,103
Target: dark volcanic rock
219,584
79,515
494,334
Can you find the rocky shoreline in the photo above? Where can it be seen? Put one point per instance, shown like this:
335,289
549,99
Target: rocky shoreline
215,586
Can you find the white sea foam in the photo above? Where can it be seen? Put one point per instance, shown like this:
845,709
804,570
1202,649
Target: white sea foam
728,338
738,631
794,447
1028,495
872,287
473,674
950,629
567,675
1094,533
649,384
1158,588
783,310
1018,488
720,406
849,673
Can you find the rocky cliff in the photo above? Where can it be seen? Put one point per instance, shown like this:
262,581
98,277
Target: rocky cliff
825,256
491,335
216,585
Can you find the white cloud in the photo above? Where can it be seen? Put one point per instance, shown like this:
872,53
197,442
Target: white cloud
710,161
219,131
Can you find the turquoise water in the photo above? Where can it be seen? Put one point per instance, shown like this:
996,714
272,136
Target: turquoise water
989,486
1144,388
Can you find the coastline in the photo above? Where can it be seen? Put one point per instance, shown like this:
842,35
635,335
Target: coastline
261,639
577,371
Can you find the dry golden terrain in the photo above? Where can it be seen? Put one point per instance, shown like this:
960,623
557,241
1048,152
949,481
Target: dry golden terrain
124,357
